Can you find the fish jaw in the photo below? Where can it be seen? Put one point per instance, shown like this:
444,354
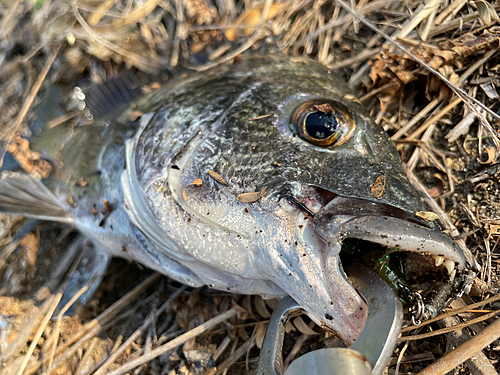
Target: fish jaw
336,305
374,223
313,276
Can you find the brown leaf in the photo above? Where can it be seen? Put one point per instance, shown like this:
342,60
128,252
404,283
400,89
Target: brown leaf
217,177
251,197
487,12
438,187
30,244
492,155
260,307
247,21
299,323
260,333
197,182
378,186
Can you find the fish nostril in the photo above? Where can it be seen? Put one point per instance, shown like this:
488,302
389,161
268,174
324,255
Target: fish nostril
365,144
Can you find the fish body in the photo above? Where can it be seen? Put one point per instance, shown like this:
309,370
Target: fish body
285,129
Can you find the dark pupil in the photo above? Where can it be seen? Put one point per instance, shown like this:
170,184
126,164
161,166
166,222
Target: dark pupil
320,125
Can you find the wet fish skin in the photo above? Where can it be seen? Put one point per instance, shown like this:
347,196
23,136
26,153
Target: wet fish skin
234,120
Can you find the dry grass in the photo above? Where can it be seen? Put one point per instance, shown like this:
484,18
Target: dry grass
441,111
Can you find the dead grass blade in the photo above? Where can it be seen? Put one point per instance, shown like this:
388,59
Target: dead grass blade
454,312
468,100
134,16
147,65
454,358
55,334
174,343
103,368
52,302
450,329
8,134
90,329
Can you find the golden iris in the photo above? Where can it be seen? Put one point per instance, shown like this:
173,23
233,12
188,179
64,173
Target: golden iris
324,123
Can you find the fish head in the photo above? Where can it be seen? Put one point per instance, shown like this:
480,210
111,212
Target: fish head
326,172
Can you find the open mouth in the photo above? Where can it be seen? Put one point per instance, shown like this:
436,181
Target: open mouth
420,248
405,251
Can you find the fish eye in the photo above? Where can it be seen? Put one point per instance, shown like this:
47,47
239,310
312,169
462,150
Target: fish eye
322,122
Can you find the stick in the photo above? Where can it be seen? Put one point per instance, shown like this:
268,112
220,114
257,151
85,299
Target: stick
12,129
174,343
38,334
451,360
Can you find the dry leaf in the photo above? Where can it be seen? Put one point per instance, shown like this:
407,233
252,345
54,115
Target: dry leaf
436,190
289,327
197,182
492,155
427,215
272,303
260,307
487,12
378,186
29,160
260,334
30,244
299,323
247,21
217,177
251,197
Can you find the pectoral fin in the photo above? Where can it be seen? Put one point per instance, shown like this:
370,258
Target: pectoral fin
22,194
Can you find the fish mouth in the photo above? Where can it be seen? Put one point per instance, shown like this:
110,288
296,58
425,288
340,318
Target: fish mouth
354,230
391,228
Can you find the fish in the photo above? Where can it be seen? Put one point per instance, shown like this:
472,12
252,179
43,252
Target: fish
251,177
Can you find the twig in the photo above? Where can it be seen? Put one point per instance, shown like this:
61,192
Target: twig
400,357
249,43
364,55
11,130
449,329
174,343
419,17
454,312
146,64
458,91
235,355
451,360
93,327
54,301
138,331
59,320
434,118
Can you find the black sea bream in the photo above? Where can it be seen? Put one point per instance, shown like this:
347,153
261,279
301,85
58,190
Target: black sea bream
247,178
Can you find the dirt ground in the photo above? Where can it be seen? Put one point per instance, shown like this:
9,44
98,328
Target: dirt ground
433,87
